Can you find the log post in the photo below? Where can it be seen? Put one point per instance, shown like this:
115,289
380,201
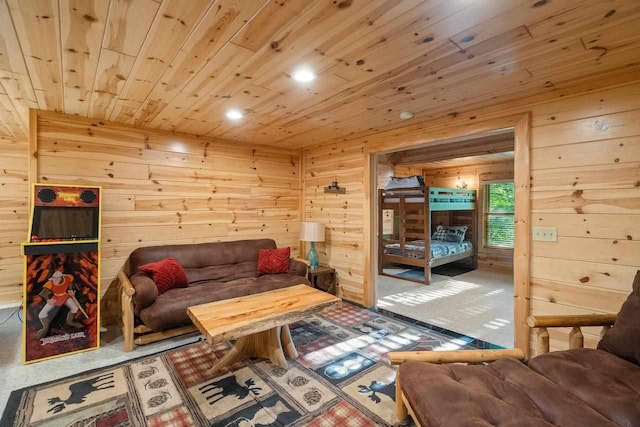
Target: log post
127,321
126,304
576,339
604,330
401,409
542,346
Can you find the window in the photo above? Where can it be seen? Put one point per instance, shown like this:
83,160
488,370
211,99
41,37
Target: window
499,203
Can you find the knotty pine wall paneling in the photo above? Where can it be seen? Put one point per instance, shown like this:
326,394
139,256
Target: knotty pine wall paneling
160,188
585,164
14,216
342,214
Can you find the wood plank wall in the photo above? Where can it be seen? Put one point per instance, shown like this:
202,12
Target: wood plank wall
160,188
585,175
14,216
450,177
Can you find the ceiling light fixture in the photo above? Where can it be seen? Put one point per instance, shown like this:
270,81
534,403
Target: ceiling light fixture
303,75
234,114
405,115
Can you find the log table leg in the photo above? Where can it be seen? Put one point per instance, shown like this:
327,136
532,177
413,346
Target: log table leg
266,345
287,343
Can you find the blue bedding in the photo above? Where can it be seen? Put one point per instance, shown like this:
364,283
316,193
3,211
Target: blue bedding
439,248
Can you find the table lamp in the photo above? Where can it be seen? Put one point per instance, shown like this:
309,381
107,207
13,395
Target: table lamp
312,232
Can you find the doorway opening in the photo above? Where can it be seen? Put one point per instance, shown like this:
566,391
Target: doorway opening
445,235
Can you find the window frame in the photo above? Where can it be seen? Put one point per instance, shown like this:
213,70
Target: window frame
484,214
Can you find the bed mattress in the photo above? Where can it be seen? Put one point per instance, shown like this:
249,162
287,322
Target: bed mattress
439,248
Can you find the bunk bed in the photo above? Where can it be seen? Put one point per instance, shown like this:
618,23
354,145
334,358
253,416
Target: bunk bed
413,211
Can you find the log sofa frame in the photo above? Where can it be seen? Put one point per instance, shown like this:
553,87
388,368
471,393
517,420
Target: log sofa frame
141,334
541,323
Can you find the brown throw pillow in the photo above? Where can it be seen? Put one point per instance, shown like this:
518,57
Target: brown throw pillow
623,339
167,273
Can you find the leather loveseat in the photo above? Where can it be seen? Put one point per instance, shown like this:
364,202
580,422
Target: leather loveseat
575,387
215,271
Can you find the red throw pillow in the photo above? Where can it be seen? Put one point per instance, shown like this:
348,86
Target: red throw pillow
271,261
167,273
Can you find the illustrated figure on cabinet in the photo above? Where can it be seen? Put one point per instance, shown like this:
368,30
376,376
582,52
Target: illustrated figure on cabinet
61,303
58,291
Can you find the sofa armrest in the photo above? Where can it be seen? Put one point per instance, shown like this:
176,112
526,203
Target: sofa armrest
297,267
571,320
457,356
146,291
575,322
127,287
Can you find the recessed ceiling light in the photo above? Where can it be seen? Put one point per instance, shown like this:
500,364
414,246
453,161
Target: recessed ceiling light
234,114
405,115
304,75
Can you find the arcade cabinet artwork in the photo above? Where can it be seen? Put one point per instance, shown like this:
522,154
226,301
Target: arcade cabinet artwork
62,275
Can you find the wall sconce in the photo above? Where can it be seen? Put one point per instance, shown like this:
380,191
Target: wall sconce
335,188
461,185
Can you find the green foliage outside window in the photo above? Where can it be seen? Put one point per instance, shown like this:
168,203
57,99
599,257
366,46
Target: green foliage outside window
499,209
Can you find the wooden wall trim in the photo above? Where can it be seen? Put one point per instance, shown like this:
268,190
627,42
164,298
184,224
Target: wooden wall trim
522,218
370,225
32,165
521,124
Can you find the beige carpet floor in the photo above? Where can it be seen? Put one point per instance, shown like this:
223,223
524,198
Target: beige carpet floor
478,304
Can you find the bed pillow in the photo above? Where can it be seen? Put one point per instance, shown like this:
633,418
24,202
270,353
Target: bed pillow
167,274
439,234
455,233
273,261
404,182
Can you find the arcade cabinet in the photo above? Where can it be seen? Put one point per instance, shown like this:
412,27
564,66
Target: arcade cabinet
62,272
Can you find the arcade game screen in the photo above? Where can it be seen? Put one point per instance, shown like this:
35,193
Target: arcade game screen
65,223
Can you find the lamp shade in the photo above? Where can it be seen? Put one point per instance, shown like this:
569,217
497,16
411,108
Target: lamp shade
312,232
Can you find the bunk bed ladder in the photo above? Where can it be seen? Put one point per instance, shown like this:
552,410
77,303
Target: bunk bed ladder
380,231
427,237
403,222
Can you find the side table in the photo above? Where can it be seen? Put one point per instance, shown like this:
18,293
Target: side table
323,278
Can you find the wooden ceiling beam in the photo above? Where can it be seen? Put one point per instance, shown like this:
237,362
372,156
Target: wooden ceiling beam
468,148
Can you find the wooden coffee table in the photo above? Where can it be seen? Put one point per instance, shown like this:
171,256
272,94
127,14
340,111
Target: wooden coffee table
259,323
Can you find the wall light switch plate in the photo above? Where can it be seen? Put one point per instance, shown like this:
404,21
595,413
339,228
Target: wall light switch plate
545,234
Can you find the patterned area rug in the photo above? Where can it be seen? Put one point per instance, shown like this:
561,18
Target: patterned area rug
341,378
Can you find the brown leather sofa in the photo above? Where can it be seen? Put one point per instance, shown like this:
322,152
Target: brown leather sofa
575,387
216,271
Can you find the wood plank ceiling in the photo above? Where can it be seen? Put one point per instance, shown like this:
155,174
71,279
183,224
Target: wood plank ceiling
179,65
